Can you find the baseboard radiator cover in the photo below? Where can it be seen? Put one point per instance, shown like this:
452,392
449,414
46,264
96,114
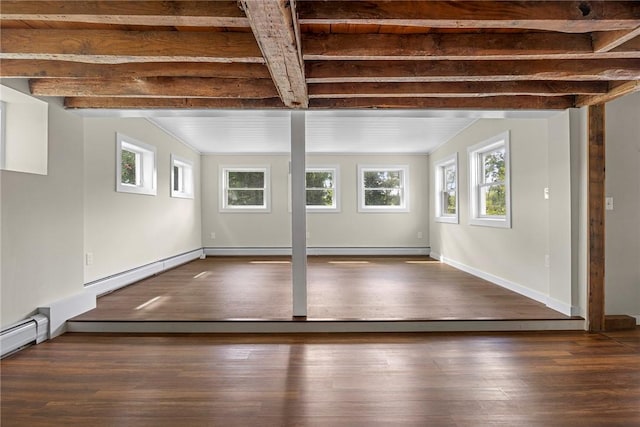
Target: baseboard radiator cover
311,250
33,330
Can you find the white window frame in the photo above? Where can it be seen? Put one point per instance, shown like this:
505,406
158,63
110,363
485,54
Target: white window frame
146,180
475,154
185,177
440,167
225,207
335,170
403,207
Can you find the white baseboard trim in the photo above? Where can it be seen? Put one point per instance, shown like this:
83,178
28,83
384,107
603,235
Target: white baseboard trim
117,281
62,310
435,255
637,316
247,251
559,306
15,337
326,251
562,307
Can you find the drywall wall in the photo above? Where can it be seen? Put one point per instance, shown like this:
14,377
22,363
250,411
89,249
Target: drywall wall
125,230
514,255
622,246
579,263
346,228
42,222
559,245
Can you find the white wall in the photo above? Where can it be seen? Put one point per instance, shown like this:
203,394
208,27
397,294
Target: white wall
125,230
515,256
560,248
42,223
347,228
622,246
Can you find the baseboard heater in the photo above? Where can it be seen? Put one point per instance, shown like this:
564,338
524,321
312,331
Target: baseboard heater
33,330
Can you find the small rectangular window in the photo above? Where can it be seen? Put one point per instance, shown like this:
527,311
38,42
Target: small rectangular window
446,189
245,189
322,188
383,188
181,177
135,166
489,182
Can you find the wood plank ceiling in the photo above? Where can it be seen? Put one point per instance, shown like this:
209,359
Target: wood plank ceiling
323,54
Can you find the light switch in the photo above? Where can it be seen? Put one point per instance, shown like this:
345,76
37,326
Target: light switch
608,203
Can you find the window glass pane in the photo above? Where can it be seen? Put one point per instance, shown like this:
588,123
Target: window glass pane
129,174
319,197
319,179
176,178
383,179
493,200
450,178
382,197
449,203
245,197
493,166
244,179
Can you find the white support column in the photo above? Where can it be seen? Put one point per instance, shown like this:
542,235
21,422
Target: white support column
298,215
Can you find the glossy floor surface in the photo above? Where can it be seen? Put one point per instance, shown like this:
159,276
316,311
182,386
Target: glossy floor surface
481,379
389,288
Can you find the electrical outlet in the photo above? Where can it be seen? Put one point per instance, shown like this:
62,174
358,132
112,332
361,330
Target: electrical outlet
547,261
308,235
608,203
88,258
419,235
546,193
213,236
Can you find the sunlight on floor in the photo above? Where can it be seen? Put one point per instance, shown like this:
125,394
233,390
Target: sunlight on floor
203,274
148,303
269,262
348,262
422,262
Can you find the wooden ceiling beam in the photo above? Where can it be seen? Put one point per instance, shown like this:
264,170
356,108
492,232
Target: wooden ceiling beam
170,103
459,71
489,103
27,68
604,42
615,92
466,46
561,16
160,87
457,89
272,25
171,13
112,47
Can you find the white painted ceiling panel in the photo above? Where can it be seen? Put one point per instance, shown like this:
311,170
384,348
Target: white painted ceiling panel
327,132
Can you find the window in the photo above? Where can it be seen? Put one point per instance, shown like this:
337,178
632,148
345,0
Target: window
446,189
135,166
322,188
383,188
181,177
490,197
245,189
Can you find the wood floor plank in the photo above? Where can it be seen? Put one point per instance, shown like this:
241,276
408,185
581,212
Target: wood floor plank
441,379
405,288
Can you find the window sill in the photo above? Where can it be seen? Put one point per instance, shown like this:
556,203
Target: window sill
491,222
447,219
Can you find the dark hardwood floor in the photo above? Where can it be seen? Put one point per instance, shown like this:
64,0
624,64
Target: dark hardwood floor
388,288
474,379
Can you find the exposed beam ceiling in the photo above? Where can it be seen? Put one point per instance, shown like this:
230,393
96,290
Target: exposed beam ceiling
272,25
187,54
